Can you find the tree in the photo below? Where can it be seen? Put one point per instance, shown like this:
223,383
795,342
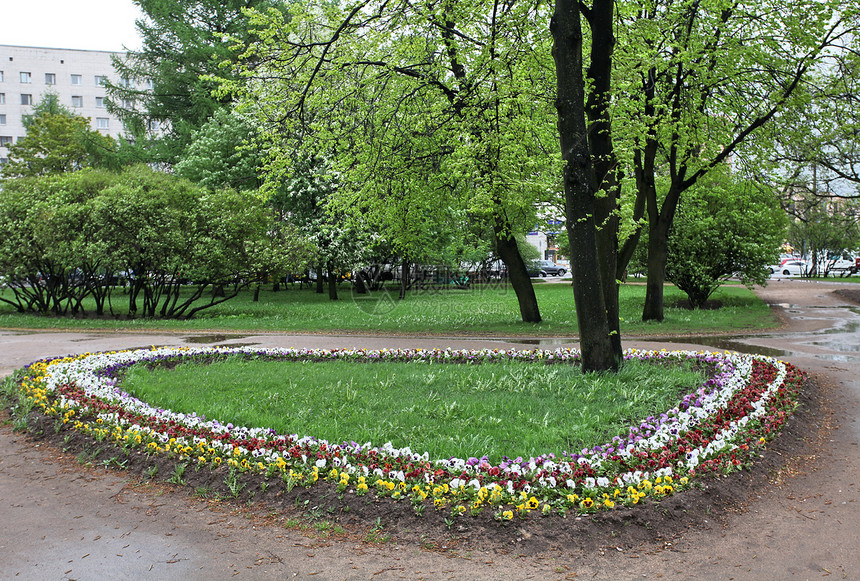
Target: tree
57,141
165,84
580,182
822,226
451,96
222,154
70,236
303,198
724,228
698,80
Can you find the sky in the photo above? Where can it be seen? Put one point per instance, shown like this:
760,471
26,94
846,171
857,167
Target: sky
81,24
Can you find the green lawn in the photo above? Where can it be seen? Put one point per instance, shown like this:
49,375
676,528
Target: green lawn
481,310
445,409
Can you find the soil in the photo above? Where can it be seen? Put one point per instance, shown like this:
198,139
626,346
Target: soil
71,514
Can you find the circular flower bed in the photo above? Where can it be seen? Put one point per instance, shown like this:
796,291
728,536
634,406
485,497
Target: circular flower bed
719,427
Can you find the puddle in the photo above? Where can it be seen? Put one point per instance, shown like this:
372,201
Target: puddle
728,344
837,346
211,338
556,342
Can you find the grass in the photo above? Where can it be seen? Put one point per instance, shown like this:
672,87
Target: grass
495,409
481,310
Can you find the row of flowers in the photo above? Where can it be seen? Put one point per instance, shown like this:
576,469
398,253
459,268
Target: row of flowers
718,427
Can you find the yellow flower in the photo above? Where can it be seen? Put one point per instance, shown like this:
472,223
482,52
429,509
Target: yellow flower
532,503
587,503
508,515
608,503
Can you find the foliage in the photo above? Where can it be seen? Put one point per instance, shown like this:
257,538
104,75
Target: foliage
821,226
695,82
57,141
724,228
429,113
69,237
182,42
221,155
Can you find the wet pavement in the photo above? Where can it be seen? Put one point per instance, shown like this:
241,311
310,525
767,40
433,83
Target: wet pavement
98,529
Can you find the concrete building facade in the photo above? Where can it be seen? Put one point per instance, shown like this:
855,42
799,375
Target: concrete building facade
75,76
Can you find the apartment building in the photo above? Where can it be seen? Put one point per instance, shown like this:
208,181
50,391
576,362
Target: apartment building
76,76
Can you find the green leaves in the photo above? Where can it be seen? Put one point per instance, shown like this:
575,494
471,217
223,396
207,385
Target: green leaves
724,227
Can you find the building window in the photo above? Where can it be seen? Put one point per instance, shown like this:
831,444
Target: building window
2,98
26,99
77,80
25,77
150,84
77,101
100,102
100,80
2,120
102,123
128,104
50,79
1,76
5,141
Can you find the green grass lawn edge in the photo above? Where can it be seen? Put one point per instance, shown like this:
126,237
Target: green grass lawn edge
490,311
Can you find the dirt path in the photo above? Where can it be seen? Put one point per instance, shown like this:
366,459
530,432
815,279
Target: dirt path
63,521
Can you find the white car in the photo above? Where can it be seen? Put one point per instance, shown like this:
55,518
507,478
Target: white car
789,267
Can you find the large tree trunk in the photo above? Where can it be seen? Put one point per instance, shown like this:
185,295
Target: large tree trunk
598,353
605,163
509,252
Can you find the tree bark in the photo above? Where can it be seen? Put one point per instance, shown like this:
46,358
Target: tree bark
404,278
598,353
601,20
320,289
659,225
509,252
332,283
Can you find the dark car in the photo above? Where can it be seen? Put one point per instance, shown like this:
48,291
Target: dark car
547,268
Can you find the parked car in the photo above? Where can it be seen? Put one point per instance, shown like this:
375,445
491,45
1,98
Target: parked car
789,267
839,265
548,267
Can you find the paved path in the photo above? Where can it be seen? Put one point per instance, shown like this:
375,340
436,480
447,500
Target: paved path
63,522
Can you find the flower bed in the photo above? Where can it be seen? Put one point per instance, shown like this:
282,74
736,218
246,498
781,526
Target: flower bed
717,427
